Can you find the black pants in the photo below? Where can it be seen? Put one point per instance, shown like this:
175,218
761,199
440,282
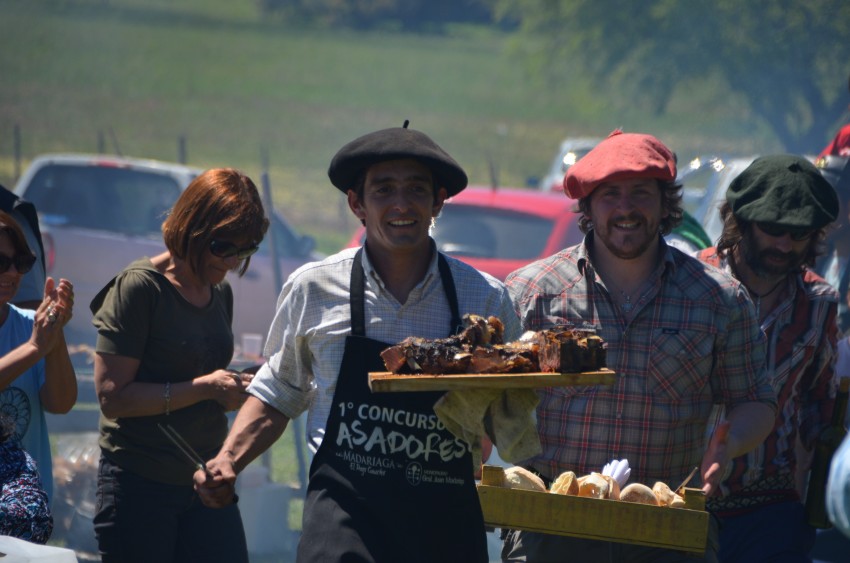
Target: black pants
138,520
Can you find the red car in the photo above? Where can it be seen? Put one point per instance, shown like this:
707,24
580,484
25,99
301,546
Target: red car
500,230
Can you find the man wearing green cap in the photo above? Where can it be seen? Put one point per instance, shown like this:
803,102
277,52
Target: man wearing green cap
388,482
773,222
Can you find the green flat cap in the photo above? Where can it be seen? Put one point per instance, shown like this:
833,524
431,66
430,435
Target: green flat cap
395,144
785,190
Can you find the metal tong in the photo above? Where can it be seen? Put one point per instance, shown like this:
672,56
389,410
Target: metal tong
686,481
184,447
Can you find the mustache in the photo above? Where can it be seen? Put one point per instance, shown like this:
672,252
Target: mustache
775,254
630,218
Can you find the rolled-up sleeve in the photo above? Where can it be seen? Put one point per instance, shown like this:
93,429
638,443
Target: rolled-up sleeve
285,382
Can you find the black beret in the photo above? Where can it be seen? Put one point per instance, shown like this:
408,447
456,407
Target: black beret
784,190
395,144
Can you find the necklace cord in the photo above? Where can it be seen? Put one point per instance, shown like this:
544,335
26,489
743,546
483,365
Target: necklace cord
766,294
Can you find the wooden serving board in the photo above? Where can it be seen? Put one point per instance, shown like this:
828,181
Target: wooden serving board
383,381
608,520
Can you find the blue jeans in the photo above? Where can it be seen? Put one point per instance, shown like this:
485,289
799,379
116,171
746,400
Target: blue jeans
777,533
138,520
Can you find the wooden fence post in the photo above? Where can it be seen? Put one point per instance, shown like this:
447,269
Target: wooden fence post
16,149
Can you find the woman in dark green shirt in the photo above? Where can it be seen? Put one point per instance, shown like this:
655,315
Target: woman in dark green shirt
163,347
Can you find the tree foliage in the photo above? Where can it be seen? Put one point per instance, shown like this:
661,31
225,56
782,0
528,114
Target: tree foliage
789,59
414,15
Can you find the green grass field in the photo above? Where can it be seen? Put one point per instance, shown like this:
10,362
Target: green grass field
143,74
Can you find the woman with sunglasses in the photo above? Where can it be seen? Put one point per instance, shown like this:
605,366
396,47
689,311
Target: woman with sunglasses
36,374
163,347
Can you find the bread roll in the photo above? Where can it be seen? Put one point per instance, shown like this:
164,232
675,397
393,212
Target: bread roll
521,478
663,493
613,487
594,486
565,484
678,501
640,493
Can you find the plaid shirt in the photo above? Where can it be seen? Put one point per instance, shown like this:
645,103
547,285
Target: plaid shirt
801,342
694,341
307,338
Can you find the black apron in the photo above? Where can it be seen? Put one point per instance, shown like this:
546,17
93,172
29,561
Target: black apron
389,483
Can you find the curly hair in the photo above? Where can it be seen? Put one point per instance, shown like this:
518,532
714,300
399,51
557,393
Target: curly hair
671,202
734,230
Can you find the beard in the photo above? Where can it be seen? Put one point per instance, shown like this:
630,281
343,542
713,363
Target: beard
634,245
768,263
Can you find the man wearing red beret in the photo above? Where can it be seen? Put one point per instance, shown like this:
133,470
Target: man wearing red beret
681,337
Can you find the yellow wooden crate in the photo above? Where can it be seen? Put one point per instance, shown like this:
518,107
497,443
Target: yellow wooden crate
684,529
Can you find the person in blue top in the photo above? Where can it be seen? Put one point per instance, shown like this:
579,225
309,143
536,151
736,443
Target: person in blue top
36,374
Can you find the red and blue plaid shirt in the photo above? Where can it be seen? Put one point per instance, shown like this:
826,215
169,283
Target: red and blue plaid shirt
694,341
801,335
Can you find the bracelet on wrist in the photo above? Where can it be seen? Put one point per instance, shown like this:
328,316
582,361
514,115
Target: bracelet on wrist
167,397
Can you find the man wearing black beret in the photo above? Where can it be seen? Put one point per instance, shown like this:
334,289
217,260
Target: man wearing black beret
388,482
774,221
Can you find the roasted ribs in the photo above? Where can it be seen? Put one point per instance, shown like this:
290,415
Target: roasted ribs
479,348
567,350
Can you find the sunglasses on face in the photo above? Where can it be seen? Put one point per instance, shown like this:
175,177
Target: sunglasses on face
23,263
225,249
777,231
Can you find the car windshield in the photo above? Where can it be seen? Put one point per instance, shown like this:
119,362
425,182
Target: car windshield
491,233
105,198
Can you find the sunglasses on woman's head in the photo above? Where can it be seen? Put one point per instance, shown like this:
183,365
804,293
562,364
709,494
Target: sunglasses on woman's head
778,231
225,249
23,263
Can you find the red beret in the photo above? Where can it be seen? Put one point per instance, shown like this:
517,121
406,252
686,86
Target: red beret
621,155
